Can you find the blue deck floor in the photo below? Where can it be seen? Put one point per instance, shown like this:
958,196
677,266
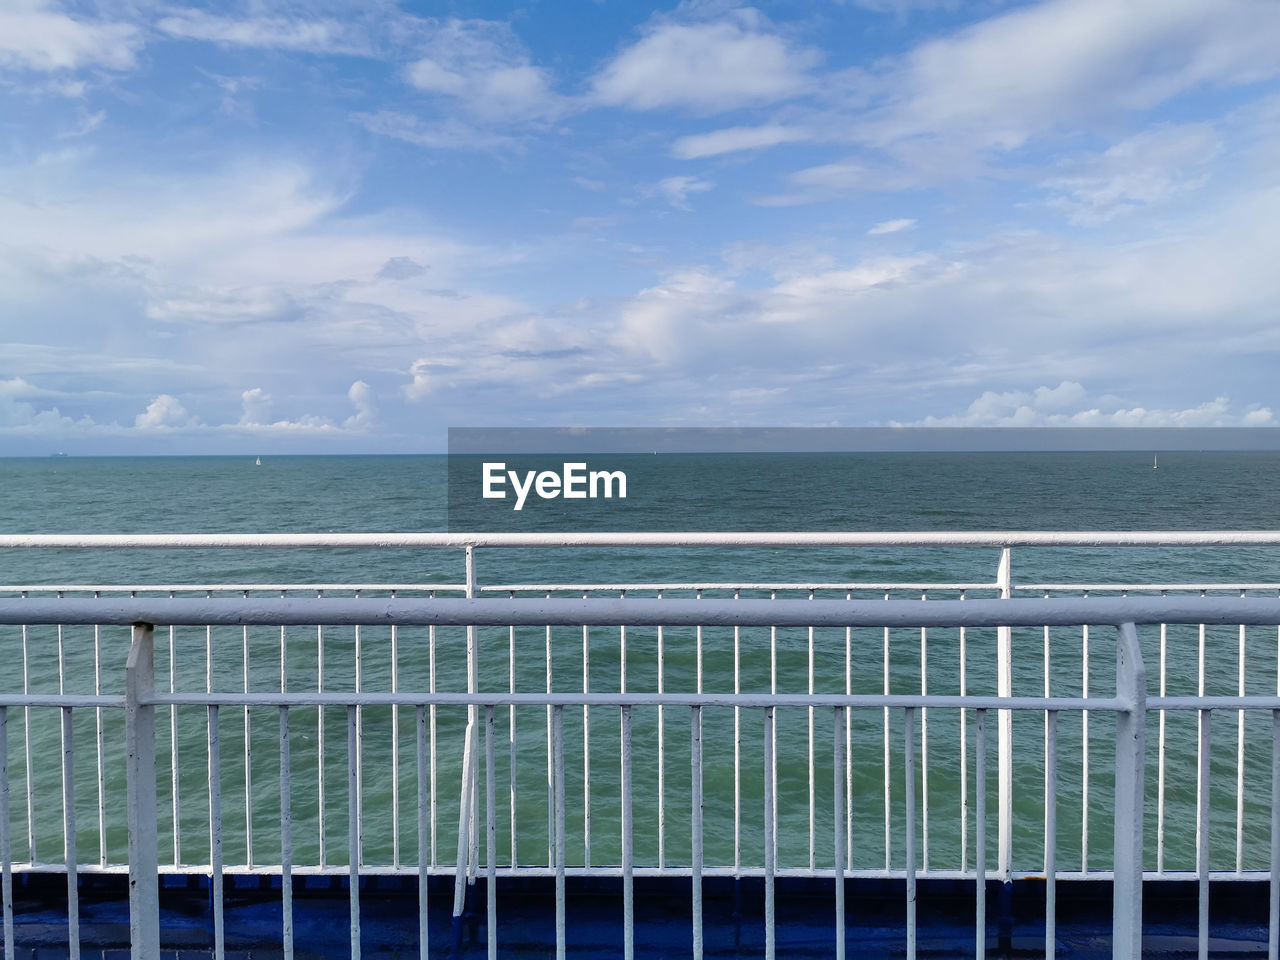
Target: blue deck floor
733,919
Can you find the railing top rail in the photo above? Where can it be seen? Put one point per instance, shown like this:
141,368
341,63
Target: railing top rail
601,611
989,538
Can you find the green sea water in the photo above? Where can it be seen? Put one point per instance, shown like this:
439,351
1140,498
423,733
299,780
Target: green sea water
1109,491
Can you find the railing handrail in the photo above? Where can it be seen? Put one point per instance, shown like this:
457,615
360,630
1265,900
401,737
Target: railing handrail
609,611
888,538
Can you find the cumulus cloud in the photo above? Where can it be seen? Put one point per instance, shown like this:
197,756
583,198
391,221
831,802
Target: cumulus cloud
36,35
1067,405
165,412
361,397
256,406
709,66
426,374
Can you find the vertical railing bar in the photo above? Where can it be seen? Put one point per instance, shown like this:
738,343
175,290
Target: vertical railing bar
353,825
1164,659
286,805
286,825
837,820
770,834
551,779
358,797
813,805
1051,834
848,743
1240,761
888,833
628,881
100,746
1202,833
662,759
174,766
1004,722
69,855
26,743
424,833
695,789
1131,691
215,830
1273,931
697,650
1047,799
248,754
737,749
140,750
964,752
1084,752
511,732
491,837
320,749
395,747
909,780
773,726
924,745
586,732
431,712
1273,917
980,837
6,842
558,800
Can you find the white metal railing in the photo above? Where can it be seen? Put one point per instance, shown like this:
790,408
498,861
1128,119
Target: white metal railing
657,677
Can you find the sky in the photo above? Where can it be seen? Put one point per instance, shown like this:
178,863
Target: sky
299,226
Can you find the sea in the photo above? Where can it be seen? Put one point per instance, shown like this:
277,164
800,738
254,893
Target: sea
731,492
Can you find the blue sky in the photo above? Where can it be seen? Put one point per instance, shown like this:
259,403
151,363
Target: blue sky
281,227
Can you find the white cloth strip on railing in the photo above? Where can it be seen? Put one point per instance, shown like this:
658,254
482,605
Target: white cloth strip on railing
956,538
607,611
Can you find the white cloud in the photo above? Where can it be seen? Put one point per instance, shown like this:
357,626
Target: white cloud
1148,168
35,35
1052,64
1052,407
361,397
165,412
256,404
676,190
482,64
890,226
426,373
734,139
275,33
705,66
447,134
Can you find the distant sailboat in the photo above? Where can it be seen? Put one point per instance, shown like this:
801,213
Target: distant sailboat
258,462
1155,461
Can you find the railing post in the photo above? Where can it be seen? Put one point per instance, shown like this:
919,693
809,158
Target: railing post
1004,722
1131,690
140,743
